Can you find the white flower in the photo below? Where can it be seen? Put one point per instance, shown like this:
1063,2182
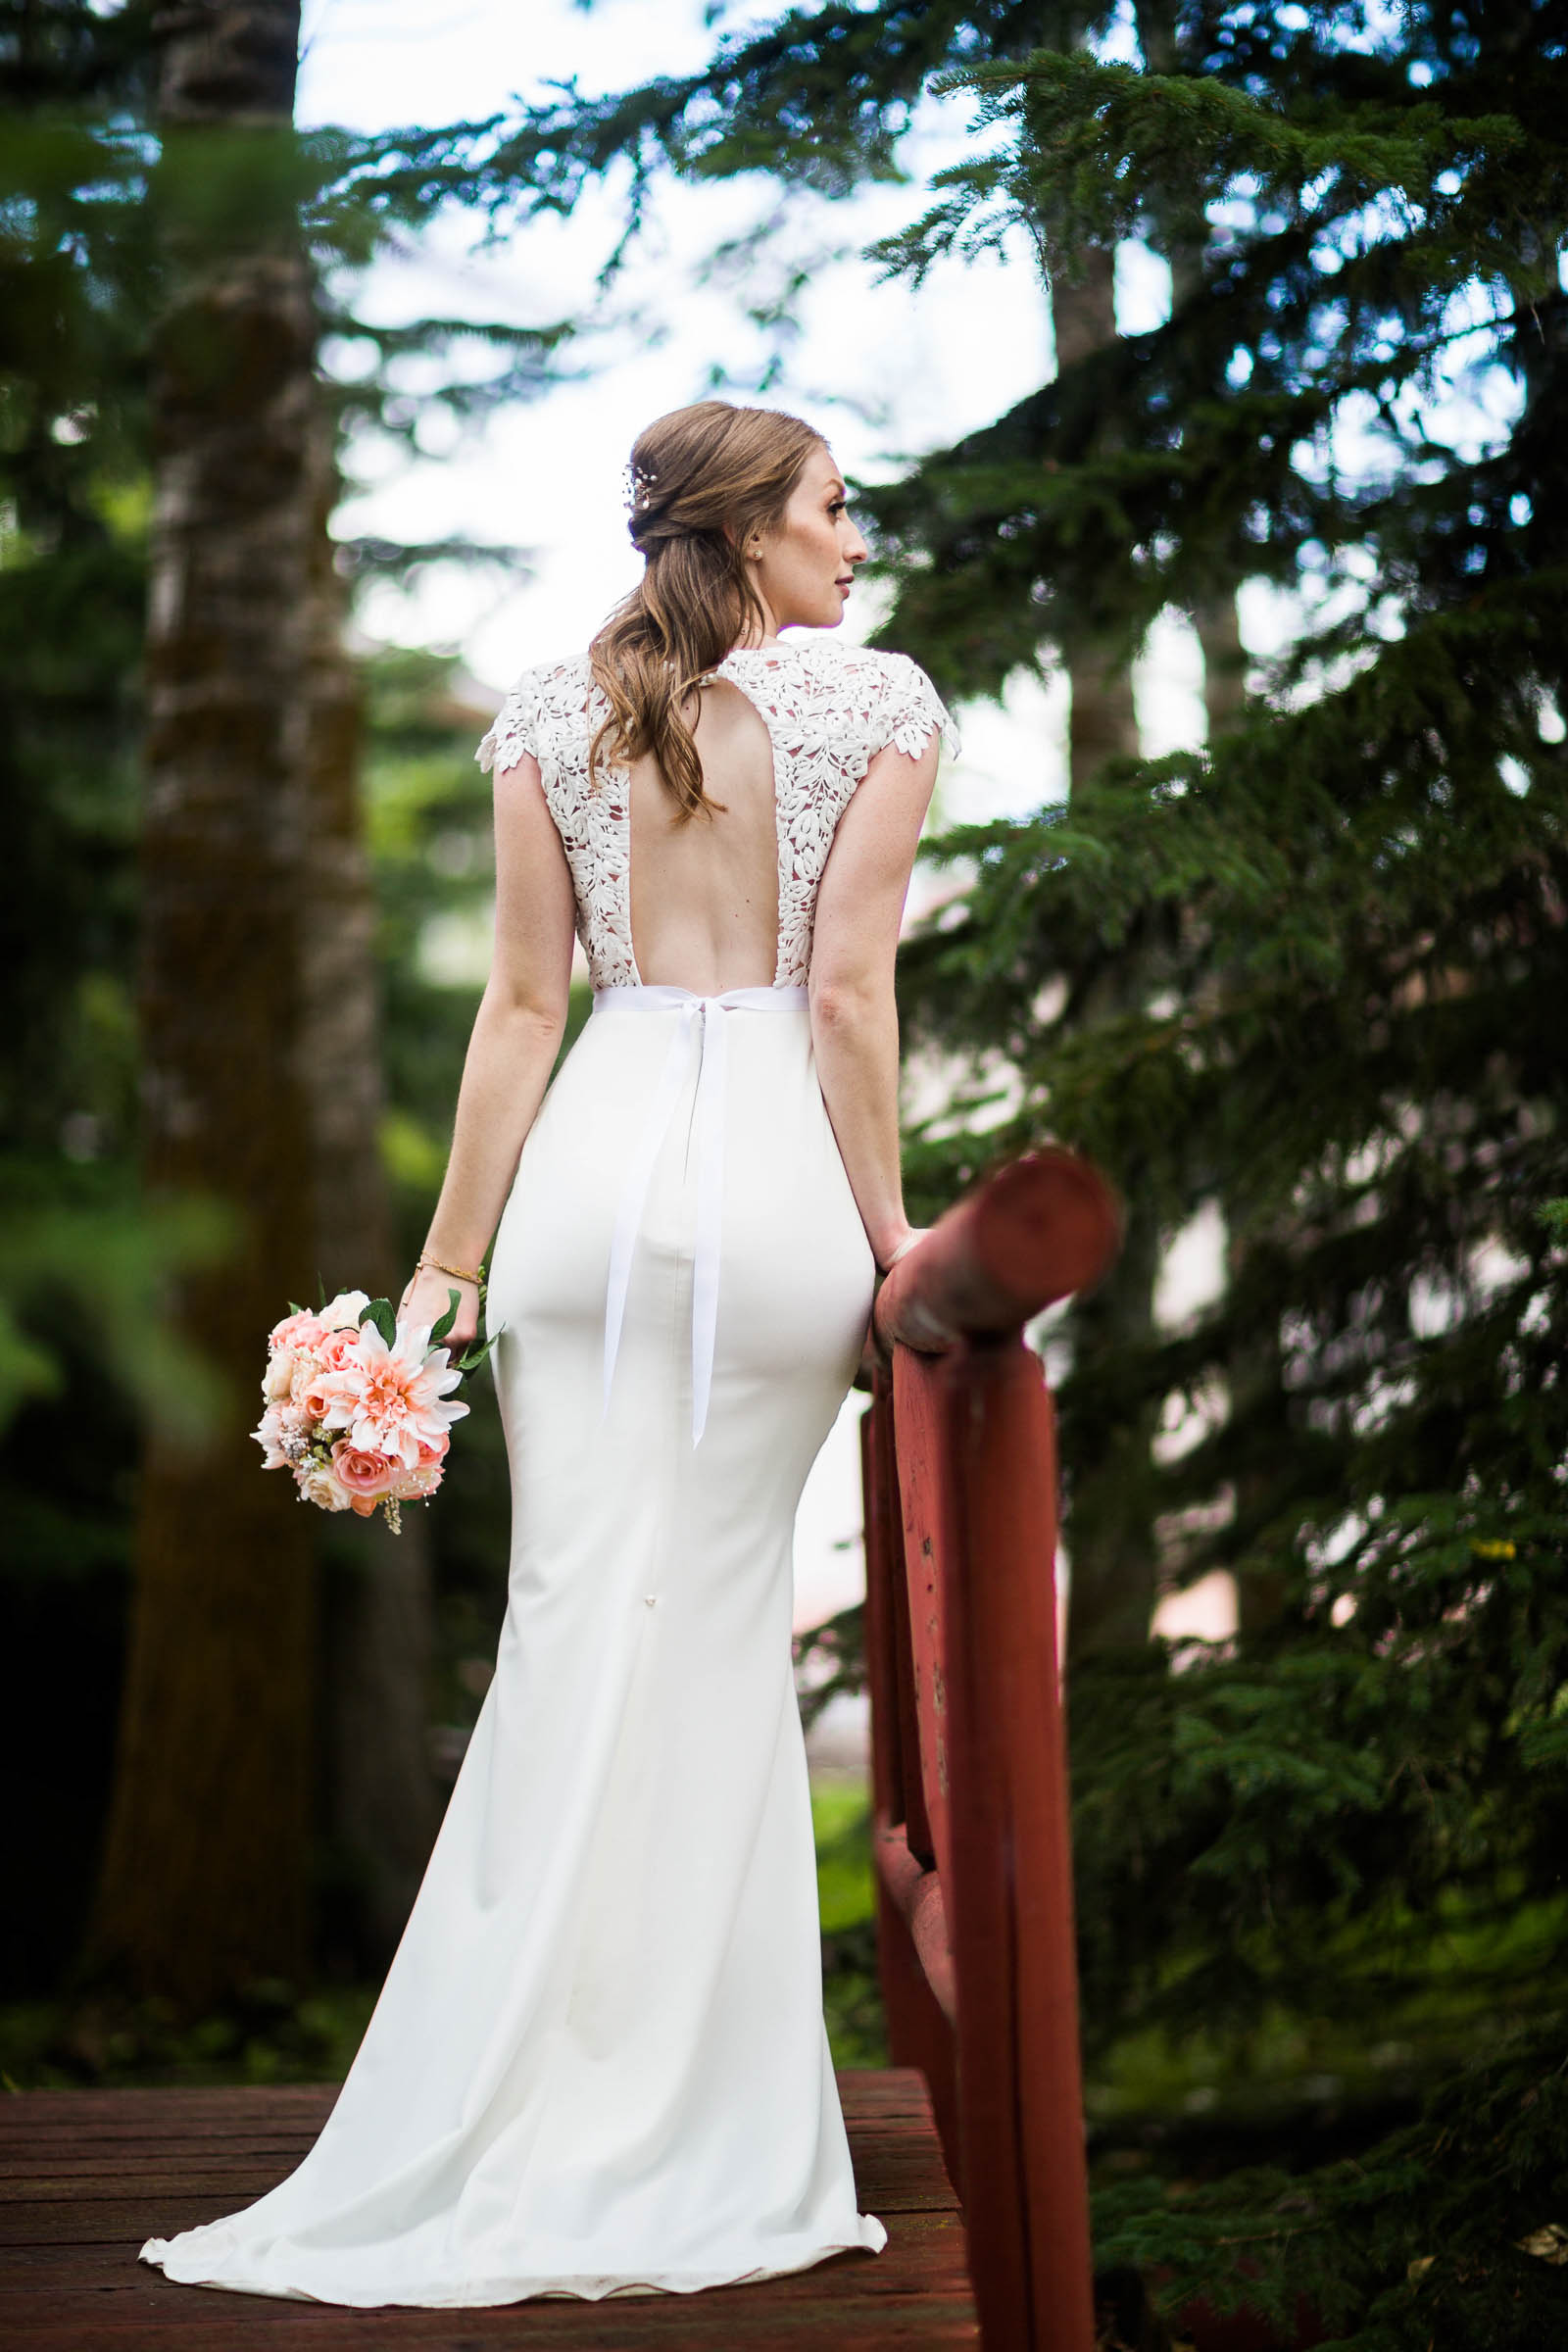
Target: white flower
318,1484
271,1436
343,1312
393,1400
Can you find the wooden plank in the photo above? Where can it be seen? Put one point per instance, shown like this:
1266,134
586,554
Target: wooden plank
93,2130
226,2109
892,2175
872,2141
155,2172
890,2179
913,2294
915,2242
98,2172
883,2090
177,2106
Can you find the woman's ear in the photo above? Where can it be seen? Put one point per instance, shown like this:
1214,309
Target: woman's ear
750,545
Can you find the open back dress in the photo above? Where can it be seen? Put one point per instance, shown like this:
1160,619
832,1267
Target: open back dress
598,2063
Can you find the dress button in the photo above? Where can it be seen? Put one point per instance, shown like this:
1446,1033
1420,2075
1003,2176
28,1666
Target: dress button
649,1599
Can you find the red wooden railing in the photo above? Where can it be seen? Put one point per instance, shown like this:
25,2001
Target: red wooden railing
969,1763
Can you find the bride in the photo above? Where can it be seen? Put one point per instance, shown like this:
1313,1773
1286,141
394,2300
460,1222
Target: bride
598,2064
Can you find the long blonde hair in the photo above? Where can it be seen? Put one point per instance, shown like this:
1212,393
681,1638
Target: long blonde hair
703,480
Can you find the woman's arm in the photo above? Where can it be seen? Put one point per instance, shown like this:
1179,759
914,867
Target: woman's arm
854,1022
512,1051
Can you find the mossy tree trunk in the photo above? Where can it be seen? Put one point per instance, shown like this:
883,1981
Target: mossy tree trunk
204,1875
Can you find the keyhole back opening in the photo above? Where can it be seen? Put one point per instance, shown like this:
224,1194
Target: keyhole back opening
703,892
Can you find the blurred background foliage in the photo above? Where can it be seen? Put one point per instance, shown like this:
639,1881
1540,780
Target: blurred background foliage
1306,985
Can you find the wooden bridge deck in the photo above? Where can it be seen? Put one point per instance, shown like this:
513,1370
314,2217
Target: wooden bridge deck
85,2176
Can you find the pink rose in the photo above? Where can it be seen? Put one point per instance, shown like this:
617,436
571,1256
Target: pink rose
361,1472
338,1348
299,1330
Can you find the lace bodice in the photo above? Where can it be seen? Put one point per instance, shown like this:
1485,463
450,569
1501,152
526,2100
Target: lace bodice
828,710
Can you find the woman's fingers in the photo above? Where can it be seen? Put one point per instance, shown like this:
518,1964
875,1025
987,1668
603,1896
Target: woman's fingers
426,1298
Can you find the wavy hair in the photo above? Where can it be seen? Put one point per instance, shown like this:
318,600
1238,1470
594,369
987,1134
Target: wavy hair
702,481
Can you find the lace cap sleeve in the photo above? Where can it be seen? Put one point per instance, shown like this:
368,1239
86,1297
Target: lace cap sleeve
516,729
909,710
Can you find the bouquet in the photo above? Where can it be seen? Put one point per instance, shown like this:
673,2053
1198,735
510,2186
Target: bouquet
360,1406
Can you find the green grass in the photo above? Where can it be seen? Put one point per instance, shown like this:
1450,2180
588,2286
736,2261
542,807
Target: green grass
846,1888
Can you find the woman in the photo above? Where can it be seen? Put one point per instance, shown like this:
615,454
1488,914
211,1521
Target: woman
598,2064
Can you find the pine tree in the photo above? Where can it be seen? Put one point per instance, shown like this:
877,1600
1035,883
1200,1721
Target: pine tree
1355,1054
1344,1829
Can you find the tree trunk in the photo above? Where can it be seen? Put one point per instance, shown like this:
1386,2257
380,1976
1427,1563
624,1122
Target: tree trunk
1109,1521
1224,661
1109,1527
1102,722
380,1790
1181,235
206,1866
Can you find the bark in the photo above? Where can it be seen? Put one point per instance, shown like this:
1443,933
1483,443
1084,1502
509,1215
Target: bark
1110,1520
1110,1531
1180,233
1111,1526
381,1797
1224,661
1102,722
205,1870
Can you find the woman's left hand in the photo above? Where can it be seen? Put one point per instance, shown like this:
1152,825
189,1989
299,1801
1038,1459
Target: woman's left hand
426,1298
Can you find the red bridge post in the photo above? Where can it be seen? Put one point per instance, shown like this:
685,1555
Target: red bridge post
968,1754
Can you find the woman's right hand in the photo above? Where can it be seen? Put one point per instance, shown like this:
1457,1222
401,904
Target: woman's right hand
426,1298
902,1243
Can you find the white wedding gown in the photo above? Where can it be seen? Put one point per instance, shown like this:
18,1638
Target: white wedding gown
598,2063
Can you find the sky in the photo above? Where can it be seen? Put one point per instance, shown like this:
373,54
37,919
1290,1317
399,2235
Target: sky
885,373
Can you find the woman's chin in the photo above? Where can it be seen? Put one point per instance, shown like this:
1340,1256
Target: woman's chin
823,617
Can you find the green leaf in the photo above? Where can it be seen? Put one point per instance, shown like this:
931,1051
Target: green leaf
379,1312
471,1364
438,1331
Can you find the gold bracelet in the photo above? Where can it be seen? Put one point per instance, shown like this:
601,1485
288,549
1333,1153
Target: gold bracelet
441,1267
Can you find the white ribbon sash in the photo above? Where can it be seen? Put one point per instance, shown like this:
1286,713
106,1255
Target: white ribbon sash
712,1016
